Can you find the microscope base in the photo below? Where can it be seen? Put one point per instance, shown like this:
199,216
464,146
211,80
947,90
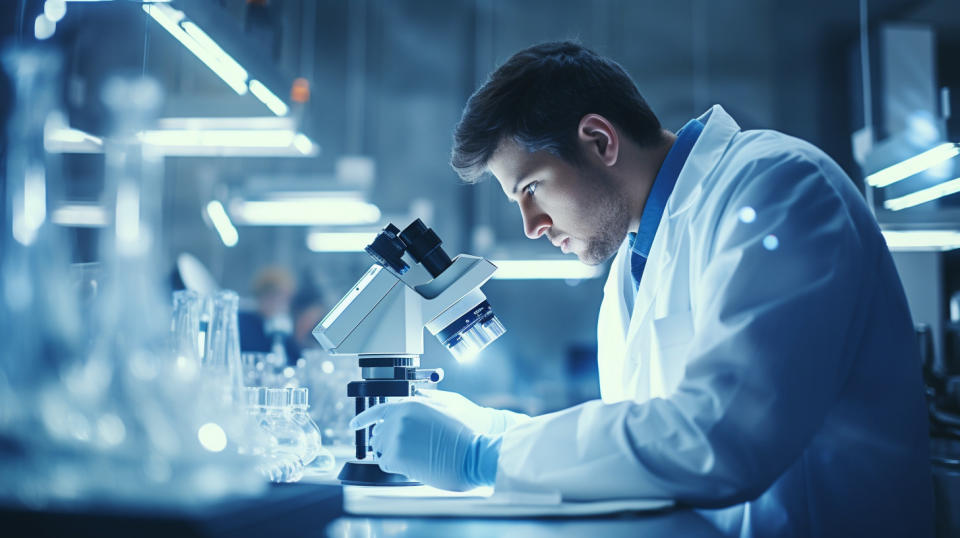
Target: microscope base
359,473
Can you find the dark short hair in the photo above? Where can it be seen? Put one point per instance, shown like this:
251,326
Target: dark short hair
538,98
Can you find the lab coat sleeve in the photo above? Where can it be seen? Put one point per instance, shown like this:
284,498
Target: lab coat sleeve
773,308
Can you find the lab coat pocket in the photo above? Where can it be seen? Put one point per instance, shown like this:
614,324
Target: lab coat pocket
674,334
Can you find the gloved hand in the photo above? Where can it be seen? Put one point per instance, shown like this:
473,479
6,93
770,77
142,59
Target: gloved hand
484,420
425,443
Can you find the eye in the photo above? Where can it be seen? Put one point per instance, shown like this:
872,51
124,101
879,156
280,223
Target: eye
531,187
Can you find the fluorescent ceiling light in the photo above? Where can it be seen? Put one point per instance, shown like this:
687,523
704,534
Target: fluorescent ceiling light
302,143
221,222
274,103
197,42
252,138
198,142
261,136
913,165
339,241
923,195
227,64
79,216
232,122
544,269
907,240
304,212
231,142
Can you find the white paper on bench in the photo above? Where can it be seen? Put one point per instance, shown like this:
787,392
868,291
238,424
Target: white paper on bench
480,502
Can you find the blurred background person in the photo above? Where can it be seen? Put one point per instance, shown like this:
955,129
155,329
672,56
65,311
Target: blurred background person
307,308
269,328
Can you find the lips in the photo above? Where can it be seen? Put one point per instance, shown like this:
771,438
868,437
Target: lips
561,242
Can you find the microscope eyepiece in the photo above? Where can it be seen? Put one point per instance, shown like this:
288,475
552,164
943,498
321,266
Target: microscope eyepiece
387,249
424,246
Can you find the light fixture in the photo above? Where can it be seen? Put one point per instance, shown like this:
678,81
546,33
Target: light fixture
267,97
196,141
923,195
913,165
227,64
231,142
196,41
922,240
339,241
221,223
545,269
318,211
262,136
79,215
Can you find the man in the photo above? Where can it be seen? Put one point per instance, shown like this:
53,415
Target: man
269,328
756,353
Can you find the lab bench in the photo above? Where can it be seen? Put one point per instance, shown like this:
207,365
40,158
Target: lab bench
317,510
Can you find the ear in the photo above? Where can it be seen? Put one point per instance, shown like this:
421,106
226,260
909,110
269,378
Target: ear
599,139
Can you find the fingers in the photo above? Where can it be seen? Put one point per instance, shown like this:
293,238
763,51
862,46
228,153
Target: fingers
441,397
370,416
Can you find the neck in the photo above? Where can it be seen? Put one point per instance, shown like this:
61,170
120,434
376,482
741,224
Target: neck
639,169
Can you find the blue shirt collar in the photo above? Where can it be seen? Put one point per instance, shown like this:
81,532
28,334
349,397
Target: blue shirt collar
642,239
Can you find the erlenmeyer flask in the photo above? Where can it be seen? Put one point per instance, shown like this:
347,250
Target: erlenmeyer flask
221,360
185,330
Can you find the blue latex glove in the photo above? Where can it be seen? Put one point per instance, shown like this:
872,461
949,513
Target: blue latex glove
427,444
481,419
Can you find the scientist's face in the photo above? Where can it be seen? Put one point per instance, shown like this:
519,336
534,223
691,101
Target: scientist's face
579,208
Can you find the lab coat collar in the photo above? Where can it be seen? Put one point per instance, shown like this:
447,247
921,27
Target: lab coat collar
719,130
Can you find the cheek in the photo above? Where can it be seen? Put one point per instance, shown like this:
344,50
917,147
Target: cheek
574,213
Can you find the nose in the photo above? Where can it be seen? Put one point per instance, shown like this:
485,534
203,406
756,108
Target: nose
535,222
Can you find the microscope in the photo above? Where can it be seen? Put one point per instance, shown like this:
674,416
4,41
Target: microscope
413,284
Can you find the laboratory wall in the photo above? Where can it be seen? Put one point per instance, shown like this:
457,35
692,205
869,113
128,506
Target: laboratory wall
387,83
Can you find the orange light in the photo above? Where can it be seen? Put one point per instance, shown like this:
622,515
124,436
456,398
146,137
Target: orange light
300,92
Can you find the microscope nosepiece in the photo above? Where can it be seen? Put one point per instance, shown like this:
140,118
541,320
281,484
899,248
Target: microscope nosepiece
466,336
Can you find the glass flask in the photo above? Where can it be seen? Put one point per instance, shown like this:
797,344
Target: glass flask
332,410
172,440
276,466
185,330
39,315
252,364
283,462
317,459
221,358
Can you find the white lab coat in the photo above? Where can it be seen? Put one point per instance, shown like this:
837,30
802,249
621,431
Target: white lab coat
767,369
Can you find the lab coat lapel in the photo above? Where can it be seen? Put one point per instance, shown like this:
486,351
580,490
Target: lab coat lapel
612,326
664,273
